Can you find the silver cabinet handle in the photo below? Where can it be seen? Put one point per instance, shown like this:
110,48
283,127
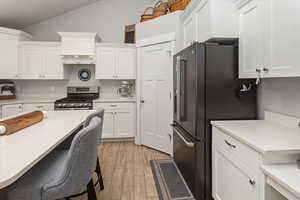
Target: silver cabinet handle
39,106
229,144
113,105
189,144
252,182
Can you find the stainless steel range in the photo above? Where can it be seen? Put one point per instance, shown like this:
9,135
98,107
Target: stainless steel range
78,98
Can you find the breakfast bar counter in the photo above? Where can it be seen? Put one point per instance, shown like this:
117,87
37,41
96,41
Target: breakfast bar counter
22,150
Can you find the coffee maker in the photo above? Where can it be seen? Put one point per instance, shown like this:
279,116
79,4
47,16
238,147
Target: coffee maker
7,90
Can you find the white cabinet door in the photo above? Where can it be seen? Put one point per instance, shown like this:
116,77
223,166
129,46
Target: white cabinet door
106,63
32,62
53,68
124,123
108,124
189,31
156,90
40,106
230,177
284,31
252,39
126,63
203,20
11,110
8,56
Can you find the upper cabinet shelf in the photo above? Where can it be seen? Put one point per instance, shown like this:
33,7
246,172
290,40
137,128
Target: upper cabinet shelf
269,43
116,62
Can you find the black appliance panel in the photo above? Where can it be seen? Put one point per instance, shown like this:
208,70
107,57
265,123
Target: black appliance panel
185,90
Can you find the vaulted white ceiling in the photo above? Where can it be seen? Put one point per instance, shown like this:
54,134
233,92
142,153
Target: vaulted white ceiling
21,13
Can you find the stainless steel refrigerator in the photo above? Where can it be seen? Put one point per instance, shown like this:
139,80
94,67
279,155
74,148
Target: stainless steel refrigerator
206,87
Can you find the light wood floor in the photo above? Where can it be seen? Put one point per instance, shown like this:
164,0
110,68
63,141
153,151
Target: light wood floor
126,172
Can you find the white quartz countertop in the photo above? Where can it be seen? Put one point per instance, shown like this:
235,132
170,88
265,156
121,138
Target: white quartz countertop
23,149
53,99
262,135
28,99
287,175
114,99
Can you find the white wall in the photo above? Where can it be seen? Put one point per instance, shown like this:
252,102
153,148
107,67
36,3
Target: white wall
58,88
107,17
280,95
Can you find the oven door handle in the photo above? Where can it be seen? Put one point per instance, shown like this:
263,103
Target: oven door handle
188,144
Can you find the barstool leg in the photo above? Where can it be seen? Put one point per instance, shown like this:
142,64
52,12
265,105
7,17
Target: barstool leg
91,191
99,174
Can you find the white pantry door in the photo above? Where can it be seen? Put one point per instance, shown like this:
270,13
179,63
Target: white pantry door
156,63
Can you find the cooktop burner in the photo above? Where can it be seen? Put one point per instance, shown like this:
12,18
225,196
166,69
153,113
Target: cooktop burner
78,98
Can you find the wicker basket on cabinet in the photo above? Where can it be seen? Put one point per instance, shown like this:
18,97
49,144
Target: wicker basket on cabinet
178,4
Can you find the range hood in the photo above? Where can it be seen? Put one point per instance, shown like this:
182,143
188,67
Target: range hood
78,48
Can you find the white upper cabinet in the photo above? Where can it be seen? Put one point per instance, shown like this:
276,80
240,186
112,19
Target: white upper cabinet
189,31
209,19
268,32
9,40
251,49
41,60
106,62
126,63
116,63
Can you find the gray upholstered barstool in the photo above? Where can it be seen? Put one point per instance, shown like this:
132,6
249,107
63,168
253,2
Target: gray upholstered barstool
62,173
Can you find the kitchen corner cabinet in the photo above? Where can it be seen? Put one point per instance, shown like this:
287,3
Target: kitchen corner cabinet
119,120
269,44
116,63
208,19
235,167
10,110
40,60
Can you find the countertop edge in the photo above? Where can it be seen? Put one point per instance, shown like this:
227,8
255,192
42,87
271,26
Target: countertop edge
280,182
251,145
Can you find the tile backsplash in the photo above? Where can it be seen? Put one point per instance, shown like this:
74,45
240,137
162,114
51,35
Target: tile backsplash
58,88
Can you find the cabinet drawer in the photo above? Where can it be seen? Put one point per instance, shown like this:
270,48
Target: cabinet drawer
118,106
235,149
44,107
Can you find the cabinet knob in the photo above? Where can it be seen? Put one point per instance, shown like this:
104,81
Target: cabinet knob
258,70
252,182
142,101
266,70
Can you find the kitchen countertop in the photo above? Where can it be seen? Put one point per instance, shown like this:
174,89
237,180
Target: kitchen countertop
23,149
30,100
287,175
53,99
262,135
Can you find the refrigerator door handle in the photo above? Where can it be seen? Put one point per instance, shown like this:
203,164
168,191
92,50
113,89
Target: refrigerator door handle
182,89
178,86
188,144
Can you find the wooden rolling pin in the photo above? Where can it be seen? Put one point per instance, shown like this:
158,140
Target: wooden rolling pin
15,124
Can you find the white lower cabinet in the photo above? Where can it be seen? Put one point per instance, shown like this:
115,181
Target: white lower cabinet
41,106
235,169
119,120
10,110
